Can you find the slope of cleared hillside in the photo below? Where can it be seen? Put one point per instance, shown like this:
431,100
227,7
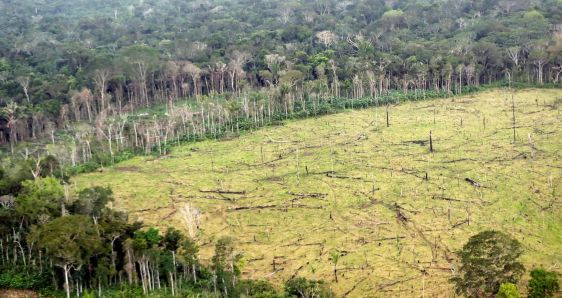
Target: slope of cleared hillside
293,194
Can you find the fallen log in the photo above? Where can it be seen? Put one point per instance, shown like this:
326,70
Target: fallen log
169,215
305,206
474,183
394,282
437,267
299,269
252,207
459,223
226,192
321,173
354,287
333,175
459,160
284,207
399,215
151,209
389,238
308,195
447,199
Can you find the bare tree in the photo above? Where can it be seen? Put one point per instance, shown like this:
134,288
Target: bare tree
190,216
195,73
326,37
335,84
381,65
372,83
539,57
285,14
100,80
513,54
557,69
24,83
10,113
274,62
309,17
236,68
82,100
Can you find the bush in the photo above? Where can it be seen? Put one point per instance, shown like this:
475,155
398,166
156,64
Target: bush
508,290
302,287
256,288
543,283
21,278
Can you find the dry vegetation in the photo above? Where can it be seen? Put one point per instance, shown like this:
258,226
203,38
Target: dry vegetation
293,194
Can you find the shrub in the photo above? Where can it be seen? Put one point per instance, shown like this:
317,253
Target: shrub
302,287
256,288
508,290
543,283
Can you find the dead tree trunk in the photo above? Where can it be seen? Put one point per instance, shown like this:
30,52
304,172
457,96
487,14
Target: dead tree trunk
430,142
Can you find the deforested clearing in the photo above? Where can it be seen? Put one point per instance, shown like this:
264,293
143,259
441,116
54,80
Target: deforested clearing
395,190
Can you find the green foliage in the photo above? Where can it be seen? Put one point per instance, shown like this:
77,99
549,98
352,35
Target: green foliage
22,278
543,283
225,257
226,264
146,239
92,201
256,289
96,244
69,240
188,252
533,15
301,287
172,240
12,174
508,290
489,259
40,199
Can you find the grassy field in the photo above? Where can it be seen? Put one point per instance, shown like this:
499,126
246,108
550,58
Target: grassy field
293,194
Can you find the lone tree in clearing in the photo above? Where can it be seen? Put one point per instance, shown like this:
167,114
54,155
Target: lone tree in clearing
488,260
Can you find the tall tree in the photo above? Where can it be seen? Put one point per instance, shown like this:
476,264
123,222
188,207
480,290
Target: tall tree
69,241
488,259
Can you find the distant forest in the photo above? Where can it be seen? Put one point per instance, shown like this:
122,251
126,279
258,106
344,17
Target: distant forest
84,73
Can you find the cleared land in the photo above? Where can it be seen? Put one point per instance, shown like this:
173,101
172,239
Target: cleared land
292,194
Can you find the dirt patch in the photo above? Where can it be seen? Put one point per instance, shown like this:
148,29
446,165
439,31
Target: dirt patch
18,294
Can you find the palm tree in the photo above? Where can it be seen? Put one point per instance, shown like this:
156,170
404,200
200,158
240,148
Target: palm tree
335,256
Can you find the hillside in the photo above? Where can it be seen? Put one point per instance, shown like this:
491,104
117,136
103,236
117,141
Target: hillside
280,148
80,76
294,193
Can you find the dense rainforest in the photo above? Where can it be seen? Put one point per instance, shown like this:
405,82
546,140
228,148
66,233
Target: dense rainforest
79,82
